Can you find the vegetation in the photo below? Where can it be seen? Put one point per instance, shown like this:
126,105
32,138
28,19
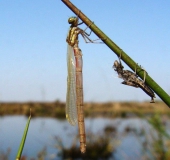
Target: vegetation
161,141
18,157
98,147
109,109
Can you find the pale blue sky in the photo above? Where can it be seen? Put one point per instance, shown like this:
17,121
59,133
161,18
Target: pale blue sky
33,48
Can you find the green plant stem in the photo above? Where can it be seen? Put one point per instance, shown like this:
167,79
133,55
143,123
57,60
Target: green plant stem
23,140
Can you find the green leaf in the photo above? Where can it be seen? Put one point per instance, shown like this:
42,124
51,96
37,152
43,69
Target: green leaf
23,139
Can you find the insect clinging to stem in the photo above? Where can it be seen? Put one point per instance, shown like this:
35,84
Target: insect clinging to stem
74,97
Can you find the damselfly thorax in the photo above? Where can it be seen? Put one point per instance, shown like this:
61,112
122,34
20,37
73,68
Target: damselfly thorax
72,37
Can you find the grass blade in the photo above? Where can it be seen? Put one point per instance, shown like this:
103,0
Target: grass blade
23,139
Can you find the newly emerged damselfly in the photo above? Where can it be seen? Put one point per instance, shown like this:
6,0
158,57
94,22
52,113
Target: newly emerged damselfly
74,98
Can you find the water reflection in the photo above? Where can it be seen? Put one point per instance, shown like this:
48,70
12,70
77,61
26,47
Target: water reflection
128,135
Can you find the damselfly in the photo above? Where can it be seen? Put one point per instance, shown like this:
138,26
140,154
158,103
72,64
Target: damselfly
74,98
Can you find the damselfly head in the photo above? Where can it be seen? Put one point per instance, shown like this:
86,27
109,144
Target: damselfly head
73,21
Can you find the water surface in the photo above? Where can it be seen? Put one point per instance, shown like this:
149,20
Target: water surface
43,130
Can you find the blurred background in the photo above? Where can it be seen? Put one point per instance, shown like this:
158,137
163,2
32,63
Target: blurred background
33,73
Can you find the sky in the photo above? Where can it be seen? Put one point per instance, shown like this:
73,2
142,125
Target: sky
33,48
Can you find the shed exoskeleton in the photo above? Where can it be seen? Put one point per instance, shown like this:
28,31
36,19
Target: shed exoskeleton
131,79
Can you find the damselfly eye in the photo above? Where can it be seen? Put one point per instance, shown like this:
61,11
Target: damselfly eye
71,20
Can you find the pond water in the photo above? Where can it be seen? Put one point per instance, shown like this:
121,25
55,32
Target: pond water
43,130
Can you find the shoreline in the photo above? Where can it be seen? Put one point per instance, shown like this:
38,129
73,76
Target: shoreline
91,109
